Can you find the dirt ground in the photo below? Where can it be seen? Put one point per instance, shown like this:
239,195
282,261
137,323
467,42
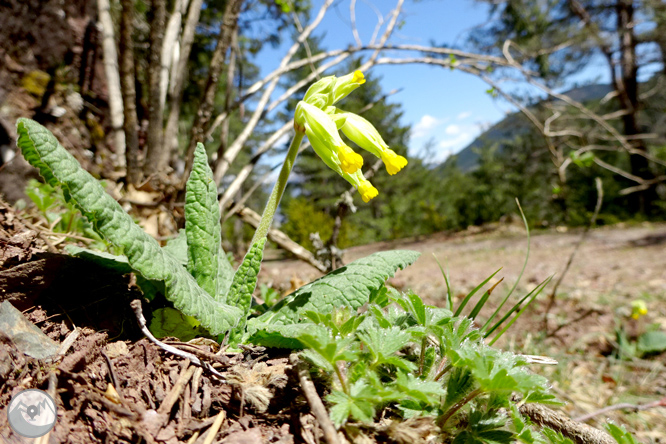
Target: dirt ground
622,262
613,267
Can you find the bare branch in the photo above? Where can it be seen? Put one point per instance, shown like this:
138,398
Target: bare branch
229,156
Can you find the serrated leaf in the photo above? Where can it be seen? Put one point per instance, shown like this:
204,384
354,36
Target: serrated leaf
349,286
245,279
428,392
459,384
143,252
620,434
383,343
202,223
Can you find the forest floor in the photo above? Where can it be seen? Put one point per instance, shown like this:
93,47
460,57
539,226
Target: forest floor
113,385
613,267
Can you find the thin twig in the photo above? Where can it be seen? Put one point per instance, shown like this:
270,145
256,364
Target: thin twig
114,376
583,237
138,312
315,402
623,406
219,419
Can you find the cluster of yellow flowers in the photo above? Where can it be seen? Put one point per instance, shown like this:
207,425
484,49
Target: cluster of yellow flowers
320,120
638,309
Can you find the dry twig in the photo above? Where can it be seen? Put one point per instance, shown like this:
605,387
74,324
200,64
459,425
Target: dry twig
315,402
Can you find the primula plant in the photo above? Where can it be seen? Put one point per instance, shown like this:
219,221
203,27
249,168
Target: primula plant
381,354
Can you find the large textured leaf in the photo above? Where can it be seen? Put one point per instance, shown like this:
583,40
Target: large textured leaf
177,247
349,286
245,279
143,253
202,223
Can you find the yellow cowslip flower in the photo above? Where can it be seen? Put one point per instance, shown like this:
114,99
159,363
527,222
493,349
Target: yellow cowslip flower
365,135
393,162
363,185
331,160
321,127
638,308
320,121
350,161
346,84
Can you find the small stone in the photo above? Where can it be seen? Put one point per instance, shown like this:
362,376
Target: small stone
28,339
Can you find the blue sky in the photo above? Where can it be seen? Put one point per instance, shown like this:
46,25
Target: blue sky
449,108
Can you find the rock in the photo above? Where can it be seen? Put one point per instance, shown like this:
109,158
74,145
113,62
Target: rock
29,339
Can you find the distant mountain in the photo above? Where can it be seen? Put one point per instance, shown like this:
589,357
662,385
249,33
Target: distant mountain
516,124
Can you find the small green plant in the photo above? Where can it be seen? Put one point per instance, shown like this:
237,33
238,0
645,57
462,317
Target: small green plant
384,354
60,215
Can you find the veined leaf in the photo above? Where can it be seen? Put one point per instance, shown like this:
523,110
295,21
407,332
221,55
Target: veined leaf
143,252
349,286
177,247
202,224
245,279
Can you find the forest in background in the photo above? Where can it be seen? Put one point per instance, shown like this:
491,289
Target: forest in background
186,73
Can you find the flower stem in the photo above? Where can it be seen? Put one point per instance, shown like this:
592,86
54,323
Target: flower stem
278,189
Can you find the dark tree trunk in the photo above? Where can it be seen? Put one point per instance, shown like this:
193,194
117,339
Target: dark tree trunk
641,201
157,156
130,125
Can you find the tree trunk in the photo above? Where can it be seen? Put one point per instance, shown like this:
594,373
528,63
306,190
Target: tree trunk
127,78
178,80
112,81
170,38
641,201
202,119
157,157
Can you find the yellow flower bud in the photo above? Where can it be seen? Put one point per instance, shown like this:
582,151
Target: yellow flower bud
346,84
367,191
393,161
350,161
638,309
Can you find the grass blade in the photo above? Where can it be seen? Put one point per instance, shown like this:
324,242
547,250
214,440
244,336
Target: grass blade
472,293
536,292
527,256
479,305
449,291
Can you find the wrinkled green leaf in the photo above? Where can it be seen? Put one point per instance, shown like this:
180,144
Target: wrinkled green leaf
245,279
202,223
60,168
349,286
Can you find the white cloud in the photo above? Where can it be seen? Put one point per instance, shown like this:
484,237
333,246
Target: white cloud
455,143
452,130
463,115
425,125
